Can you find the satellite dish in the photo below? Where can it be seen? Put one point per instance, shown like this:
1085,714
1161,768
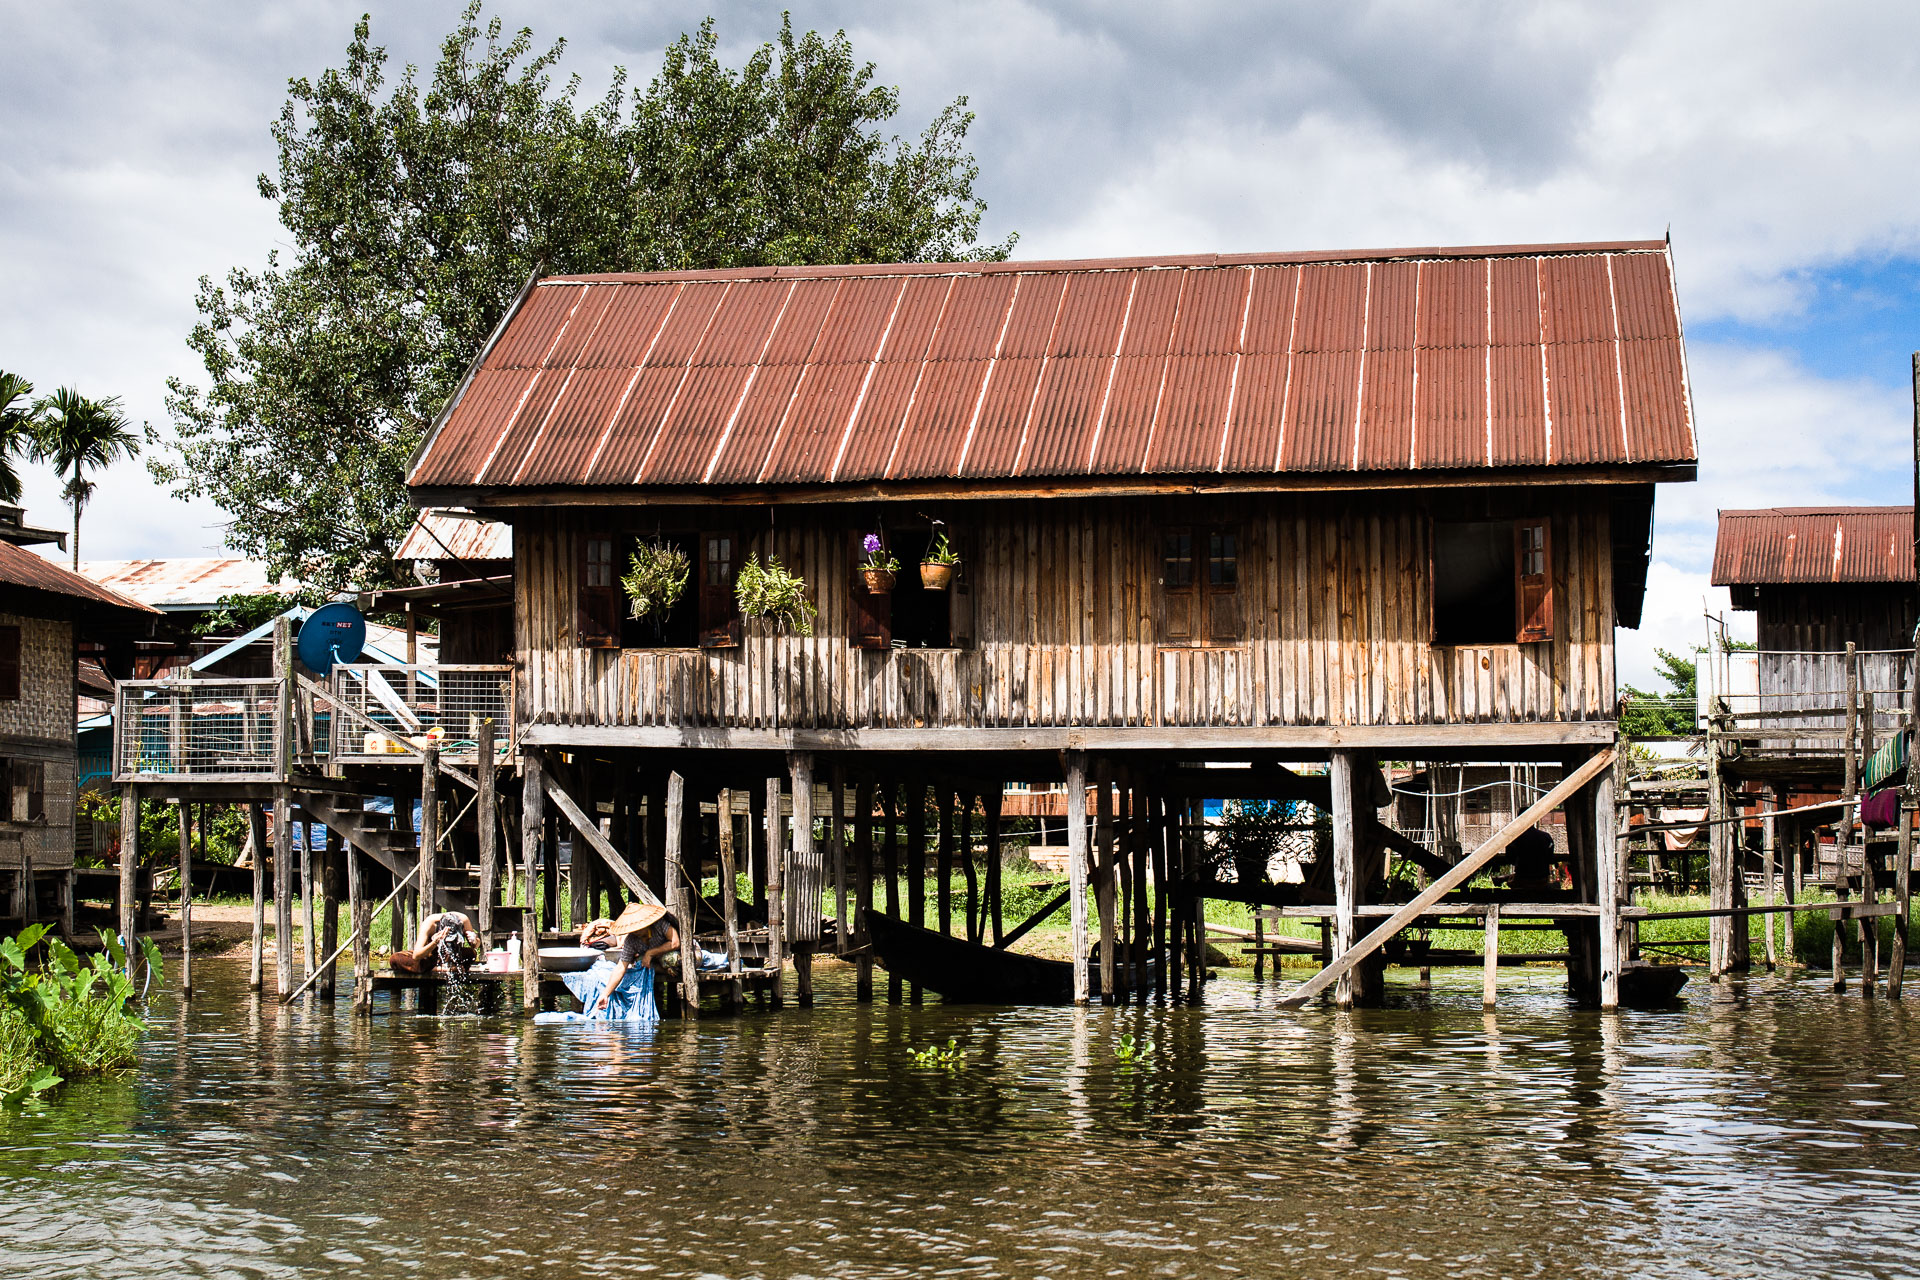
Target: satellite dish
332,633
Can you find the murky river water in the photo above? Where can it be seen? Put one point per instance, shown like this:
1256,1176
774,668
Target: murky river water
1766,1127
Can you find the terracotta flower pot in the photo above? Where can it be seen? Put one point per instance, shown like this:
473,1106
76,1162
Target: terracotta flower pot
879,581
936,575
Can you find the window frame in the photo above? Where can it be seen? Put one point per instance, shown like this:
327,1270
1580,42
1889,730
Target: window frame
1200,612
12,654
1533,594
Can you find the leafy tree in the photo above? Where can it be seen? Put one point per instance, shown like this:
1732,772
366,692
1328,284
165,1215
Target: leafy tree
416,212
77,435
1656,715
16,430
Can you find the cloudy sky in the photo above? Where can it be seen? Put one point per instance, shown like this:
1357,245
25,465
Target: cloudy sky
1778,143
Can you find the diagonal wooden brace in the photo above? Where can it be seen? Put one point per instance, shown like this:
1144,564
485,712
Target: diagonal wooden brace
1461,872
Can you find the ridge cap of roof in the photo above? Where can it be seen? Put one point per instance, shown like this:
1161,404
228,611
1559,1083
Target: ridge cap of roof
831,271
1747,513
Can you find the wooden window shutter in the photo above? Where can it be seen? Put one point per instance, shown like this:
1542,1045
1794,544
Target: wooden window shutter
870,615
9,664
719,607
1223,585
1179,587
1533,580
598,616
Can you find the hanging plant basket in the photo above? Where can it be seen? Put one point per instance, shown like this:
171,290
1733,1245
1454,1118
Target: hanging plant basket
879,581
937,575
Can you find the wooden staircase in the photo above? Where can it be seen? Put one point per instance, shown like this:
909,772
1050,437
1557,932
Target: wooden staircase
456,888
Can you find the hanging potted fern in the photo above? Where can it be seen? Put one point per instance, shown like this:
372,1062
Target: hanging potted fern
770,591
937,566
655,580
879,568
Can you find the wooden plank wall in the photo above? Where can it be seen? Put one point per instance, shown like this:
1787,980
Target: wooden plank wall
1334,604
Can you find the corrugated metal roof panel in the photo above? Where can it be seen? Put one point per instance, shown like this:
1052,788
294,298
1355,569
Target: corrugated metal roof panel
21,568
1814,545
455,535
194,582
1389,360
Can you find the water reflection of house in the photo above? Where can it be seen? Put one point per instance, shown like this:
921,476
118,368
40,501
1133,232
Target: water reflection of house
59,634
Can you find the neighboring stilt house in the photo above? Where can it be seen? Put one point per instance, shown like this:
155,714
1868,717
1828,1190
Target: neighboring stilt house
48,616
1278,510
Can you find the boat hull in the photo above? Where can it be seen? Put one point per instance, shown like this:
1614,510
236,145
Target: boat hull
965,972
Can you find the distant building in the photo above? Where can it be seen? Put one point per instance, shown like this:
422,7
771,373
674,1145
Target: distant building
47,615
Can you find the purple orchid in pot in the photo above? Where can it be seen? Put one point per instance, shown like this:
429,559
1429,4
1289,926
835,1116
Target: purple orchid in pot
879,567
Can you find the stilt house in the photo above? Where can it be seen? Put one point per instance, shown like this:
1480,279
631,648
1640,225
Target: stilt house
1274,509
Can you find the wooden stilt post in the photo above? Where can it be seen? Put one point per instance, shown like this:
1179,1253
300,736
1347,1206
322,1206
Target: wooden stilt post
776,890
1903,894
1157,812
1077,868
991,802
943,890
1103,874
1345,879
1490,957
1867,930
729,891
486,806
837,854
257,839
129,863
1790,886
1196,908
330,874
550,872
308,950
890,852
186,899
803,883
1843,830
684,889
1719,895
283,943
976,919
533,825
1607,853
429,834
916,820
1769,836
863,887
757,851
360,920
1142,919
1177,887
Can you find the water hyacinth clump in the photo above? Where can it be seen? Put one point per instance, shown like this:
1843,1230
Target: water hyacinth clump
67,1018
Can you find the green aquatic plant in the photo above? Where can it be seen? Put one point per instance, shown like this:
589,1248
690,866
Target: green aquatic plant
69,1016
1132,1053
947,1057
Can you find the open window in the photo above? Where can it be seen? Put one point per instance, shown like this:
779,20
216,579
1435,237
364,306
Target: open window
26,782
910,616
706,615
1492,582
9,664
1200,585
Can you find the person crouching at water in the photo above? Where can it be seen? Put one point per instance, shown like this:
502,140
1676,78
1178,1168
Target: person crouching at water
619,986
448,938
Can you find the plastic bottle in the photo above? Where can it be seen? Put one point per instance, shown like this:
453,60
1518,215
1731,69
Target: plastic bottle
513,954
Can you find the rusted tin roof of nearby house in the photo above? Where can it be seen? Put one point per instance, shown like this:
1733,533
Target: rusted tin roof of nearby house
23,570
444,534
1389,361
1814,544
184,583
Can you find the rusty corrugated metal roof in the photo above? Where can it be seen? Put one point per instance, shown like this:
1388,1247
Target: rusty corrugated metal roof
444,534
191,582
1394,360
1814,544
23,569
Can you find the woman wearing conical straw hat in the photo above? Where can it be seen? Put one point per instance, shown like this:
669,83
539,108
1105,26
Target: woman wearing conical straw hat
619,986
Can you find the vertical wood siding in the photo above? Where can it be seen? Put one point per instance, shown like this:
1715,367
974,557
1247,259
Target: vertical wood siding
1335,607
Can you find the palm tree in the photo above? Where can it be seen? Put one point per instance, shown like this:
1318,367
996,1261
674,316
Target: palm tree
78,435
16,428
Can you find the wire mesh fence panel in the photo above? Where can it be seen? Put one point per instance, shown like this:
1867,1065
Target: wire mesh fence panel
396,708
197,728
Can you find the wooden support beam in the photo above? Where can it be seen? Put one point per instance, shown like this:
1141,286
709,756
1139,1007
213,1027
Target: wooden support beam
683,887
429,835
1026,926
186,899
776,889
1077,867
1465,870
729,892
257,841
890,852
1346,889
283,890
863,886
533,823
1142,919
806,886
943,838
360,921
991,800
487,822
1103,873
837,853
916,818
576,815
1490,960
1608,851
